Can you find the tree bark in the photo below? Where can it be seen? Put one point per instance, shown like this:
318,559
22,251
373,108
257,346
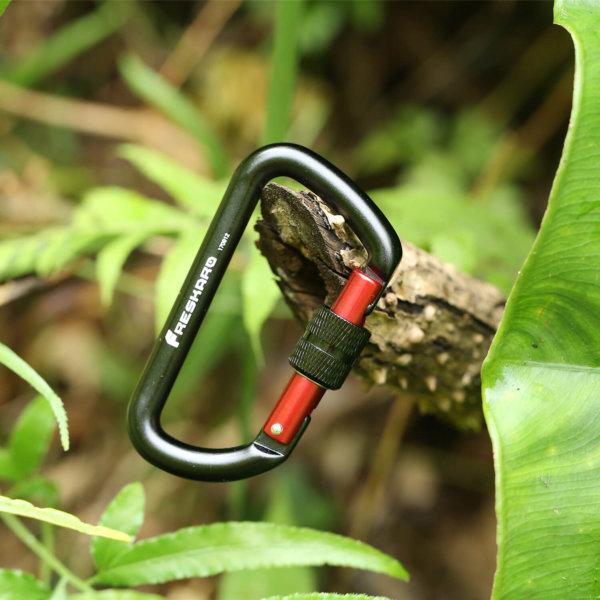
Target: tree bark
430,330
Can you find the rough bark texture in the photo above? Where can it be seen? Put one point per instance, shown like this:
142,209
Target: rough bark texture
431,329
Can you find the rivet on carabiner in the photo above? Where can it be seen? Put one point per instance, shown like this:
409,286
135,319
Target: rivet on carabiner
323,356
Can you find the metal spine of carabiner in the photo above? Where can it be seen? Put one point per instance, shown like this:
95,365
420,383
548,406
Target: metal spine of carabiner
159,375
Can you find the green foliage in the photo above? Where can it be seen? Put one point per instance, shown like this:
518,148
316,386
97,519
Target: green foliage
36,487
542,374
194,193
125,513
103,215
319,596
3,5
283,71
322,22
57,517
487,240
116,210
158,92
262,583
191,552
28,442
260,294
60,590
20,367
486,235
211,549
195,551
111,223
111,260
409,135
33,253
221,329
17,585
67,43
267,582
172,274
115,595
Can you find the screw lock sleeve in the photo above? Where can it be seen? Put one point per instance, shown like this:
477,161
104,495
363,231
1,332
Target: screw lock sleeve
328,348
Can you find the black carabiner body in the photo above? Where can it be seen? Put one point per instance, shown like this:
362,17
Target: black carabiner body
226,229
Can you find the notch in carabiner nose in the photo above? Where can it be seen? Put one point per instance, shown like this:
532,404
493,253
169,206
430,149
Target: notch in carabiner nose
322,357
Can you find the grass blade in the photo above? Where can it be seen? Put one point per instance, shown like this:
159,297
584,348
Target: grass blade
158,92
284,63
67,43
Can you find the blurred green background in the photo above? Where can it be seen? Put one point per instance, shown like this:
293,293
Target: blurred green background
119,125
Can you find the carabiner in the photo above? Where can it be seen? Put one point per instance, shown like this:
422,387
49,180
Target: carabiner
323,356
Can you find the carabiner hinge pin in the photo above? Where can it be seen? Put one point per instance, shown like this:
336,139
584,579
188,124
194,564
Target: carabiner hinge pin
277,429
303,393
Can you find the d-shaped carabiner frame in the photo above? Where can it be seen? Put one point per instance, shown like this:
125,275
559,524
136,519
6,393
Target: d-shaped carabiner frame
369,224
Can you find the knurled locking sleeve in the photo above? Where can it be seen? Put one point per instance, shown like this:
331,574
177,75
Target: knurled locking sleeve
328,348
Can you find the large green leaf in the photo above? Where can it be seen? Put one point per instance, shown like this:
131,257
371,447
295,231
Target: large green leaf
17,585
223,547
541,380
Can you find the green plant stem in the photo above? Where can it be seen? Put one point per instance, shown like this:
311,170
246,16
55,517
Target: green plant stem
48,542
248,385
238,495
283,71
45,555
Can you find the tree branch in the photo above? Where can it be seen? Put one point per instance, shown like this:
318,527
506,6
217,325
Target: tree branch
431,329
